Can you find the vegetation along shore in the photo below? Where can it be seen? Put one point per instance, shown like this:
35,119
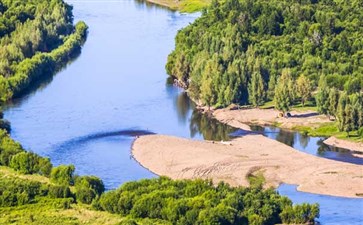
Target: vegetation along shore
37,38
187,6
289,56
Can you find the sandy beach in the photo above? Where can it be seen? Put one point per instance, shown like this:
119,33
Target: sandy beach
233,161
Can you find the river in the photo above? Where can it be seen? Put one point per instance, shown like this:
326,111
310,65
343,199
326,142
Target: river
117,88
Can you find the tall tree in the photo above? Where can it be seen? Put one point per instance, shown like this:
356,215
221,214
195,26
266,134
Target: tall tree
271,87
303,88
284,92
333,102
256,90
322,96
341,113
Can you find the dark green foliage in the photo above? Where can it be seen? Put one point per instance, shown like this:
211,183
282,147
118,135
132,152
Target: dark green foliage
256,87
197,202
5,125
284,92
59,191
333,102
30,163
299,214
15,191
8,148
36,39
63,175
88,188
322,97
214,57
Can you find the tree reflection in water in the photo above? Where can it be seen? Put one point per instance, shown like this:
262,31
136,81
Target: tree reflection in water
210,128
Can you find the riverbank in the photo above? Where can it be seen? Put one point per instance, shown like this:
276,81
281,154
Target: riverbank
309,122
182,5
234,161
353,146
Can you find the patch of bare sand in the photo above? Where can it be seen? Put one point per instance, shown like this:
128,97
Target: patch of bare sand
353,146
269,116
181,158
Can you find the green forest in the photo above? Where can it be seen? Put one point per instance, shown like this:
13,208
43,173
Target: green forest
290,52
37,37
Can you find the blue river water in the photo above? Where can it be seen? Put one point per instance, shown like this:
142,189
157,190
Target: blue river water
89,113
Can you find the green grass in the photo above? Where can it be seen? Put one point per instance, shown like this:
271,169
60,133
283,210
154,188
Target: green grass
193,5
256,179
267,105
50,211
328,130
309,106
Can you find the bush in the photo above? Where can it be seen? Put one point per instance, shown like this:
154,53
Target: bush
30,163
14,191
8,148
300,214
88,188
59,191
63,175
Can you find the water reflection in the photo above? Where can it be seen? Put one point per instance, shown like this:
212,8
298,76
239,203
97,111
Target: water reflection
141,4
210,128
199,123
311,145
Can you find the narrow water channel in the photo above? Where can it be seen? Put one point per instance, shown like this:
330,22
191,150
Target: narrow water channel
89,113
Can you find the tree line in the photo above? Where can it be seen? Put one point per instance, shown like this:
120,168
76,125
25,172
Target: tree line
251,52
345,108
14,156
239,47
202,202
161,199
36,39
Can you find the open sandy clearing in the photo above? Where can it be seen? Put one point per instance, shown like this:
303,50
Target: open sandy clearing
231,162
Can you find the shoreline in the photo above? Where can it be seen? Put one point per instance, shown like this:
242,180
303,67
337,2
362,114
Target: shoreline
242,118
340,143
170,4
233,161
183,6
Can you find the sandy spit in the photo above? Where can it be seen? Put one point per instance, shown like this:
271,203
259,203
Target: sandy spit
269,117
239,119
231,162
353,146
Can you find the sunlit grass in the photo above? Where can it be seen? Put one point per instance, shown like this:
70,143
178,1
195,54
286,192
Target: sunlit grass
193,5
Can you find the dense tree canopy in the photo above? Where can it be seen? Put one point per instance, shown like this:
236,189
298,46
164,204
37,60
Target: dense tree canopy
215,56
201,202
36,38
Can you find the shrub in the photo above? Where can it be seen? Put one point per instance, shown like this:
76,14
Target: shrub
88,188
30,163
59,191
63,175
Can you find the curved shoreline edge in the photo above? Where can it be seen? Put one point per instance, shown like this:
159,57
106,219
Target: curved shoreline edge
232,162
239,119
